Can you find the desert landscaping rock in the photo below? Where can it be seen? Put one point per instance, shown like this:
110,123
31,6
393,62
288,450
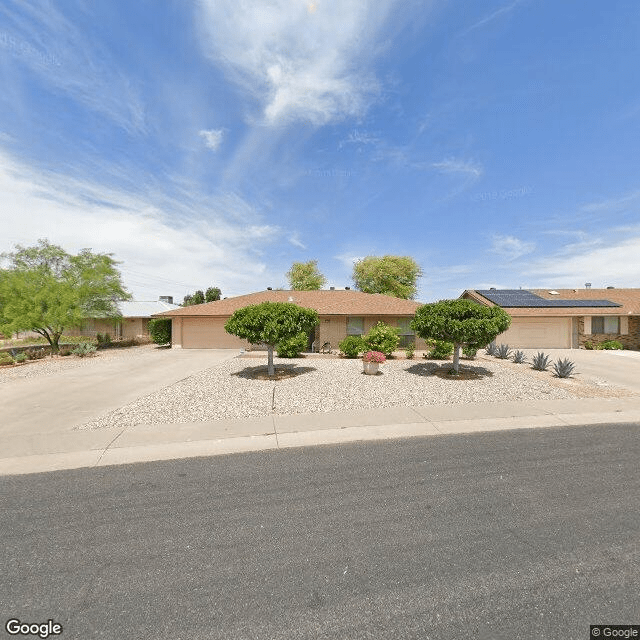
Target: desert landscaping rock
326,385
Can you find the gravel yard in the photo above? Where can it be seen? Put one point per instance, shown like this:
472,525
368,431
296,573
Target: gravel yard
49,366
323,385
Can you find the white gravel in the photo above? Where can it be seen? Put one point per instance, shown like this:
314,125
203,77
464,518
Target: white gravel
49,366
330,385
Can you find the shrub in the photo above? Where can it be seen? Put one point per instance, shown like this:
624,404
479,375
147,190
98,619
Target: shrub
519,357
470,351
99,338
293,347
84,349
503,352
20,357
409,349
160,330
382,338
5,358
540,362
564,368
65,351
611,344
589,345
352,346
441,351
35,354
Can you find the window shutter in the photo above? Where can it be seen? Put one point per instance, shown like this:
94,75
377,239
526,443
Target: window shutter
624,325
587,325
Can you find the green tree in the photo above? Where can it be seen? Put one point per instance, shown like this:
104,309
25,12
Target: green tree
271,323
160,330
197,297
304,276
383,338
45,289
395,276
212,294
462,322
187,301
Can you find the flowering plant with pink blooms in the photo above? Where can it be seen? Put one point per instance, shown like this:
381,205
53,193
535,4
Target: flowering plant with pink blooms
374,356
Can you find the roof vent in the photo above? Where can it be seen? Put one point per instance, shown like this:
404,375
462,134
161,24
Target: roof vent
587,285
269,288
169,299
332,288
347,288
492,288
554,293
290,299
610,287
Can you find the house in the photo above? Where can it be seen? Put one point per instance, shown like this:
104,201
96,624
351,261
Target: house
342,312
133,322
565,318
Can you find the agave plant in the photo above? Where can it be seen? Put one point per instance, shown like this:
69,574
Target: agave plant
490,349
519,357
564,368
540,362
503,351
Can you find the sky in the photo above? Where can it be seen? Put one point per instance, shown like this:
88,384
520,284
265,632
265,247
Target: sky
216,142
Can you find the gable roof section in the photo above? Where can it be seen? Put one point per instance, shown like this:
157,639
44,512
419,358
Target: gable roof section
566,302
325,302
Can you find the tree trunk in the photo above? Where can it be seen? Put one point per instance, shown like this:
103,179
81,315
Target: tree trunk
54,340
270,368
456,357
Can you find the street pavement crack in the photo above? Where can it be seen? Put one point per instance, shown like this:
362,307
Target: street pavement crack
108,447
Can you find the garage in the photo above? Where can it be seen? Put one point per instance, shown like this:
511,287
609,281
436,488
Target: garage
537,333
208,333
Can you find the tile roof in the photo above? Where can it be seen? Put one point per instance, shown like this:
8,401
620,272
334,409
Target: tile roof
325,302
629,299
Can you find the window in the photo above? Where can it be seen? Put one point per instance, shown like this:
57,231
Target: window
605,324
355,326
407,334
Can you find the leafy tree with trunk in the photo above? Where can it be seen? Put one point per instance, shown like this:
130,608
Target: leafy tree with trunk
212,294
461,322
45,289
304,276
160,330
395,276
271,323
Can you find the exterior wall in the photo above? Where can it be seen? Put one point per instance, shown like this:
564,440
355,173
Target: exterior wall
630,340
333,329
176,333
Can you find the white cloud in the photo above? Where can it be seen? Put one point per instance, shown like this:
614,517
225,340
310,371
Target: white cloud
492,16
615,263
294,239
348,260
38,35
511,247
212,137
465,167
301,60
182,242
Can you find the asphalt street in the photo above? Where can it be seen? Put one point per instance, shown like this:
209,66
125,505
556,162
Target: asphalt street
528,534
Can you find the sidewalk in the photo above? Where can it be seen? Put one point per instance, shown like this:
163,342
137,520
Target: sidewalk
144,443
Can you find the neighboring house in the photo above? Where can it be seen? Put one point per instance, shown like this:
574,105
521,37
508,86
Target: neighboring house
565,318
133,323
342,313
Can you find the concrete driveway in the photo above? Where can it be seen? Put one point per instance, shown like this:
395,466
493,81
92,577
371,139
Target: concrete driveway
54,403
619,368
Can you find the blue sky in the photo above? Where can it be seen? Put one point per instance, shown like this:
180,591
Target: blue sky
216,142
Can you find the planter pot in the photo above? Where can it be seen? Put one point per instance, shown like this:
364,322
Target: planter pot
371,368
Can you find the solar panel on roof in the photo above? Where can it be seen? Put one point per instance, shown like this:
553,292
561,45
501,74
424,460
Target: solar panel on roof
523,298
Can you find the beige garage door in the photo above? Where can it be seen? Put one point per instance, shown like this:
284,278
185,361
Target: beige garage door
537,333
208,333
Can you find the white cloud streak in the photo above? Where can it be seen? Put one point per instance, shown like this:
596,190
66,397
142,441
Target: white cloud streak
510,247
199,243
304,61
212,138
453,166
